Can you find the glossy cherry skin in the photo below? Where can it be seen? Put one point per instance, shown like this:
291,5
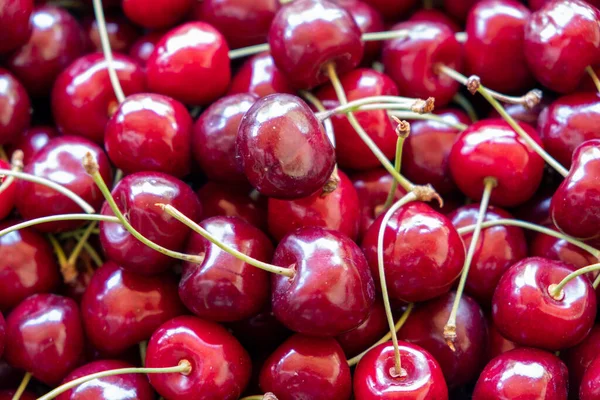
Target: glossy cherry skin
56,40
496,343
214,136
590,388
137,195
525,312
554,248
490,148
121,33
568,122
31,141
411,62
499,247
83,99
260,76
392,10
220,365
120,308
351,151
332,290
368,332
150,132
424,380
15,105
575,207
190,63
561,39
16,28
141,49
8,196
44,337
306,35
337,210
307,368
123,387
156,14
422,253
579,358
283,149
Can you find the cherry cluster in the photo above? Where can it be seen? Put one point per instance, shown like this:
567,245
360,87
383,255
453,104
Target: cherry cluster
299,199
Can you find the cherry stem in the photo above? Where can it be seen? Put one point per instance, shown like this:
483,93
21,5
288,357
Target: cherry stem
71,264
22,386
556,291
184,367
403,130
68,273
312,99
178,215
594,77
16,165
466,105
78,232
266,396
56,218
143,346
450,329
118,177
596,282
380,103
428,117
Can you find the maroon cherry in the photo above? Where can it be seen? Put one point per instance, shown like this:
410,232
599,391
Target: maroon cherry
121,34
260,76
283,148
2,334
15,105
141,49
16,27
392,10
31,141
522,113
9,378
261,333
497,344
363,336
459,9
8,196
306,35
537,4
158,13
433,15
590,388
9,394
554,248
579,358
307,368
220,367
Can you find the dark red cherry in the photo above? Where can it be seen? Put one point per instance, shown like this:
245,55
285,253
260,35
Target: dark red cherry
422,253
31,141
260,333
537,4
392,10
499,247
8,196
306,35
44,337
363,336
123,387
260,76
438,16
351,151
491,148
575,207
424,379
191,64
8,395
332,290
458,9
425,327
157,13
537,209
554,248
283,148
120,308
525,311
306,367
121,33
16,26
83,99
590,386
9,378
56,40
496,343
561,39
137,195
150,132
141,49
411,62
524,114
214,135
2,334
220,367
60,162
579,358
337,210
15,106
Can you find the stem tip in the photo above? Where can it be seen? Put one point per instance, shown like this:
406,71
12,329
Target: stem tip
90,164
558,296
473,84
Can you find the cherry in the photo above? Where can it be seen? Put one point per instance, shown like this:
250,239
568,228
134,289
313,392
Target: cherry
307,367
392,10
158,13
44,337
553,248
32,140
537,4
590,389
575,207
150,132
220,367
438,16
523,373
121,34
368,332
423,253
141,49
411,61
524,113
2,334
8,195
561,39
306,35
459,9
497,344
527,311
261,333
9,394
9,378
214,136
136,196
16,28
260,76
423,380
15,105
283,148
579,358
537,209
83,99
190,63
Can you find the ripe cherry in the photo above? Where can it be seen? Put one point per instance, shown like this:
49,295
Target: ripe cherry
497,344
590,389
9,394
15,105
121,33
260,76
433,15
15,22
8,195
459,9
392,10
553,248
31,141
363,336
580,357
156,14
144,46
2,334
261,333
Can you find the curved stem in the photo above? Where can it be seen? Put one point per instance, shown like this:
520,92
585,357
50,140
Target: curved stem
594,77
397,165
143,346
55,218
596,282
80,244
385,35
93,254
556,290
381,101
466,105
22,386
428,117
248,51
67,273
312,99
16,165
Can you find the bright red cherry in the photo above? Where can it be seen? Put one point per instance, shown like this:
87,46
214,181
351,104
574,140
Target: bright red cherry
553,248
579,358
260,76
15,22
144,46
363,336
31,141
8,196
537,4
121,33
157,13
15,106
497,344
590,386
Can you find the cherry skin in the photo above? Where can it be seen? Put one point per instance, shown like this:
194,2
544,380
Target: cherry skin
424,379
525,312
260,76
458,9
433,15
123,387
306,367
553,248
2,334
590,389
306,35
262,333
44,337
150,132
31,141
16,28
8,395
141,49
309,302
337,210
121,33
214,136
575,207
561,39
83,99
283,148
523,373
363,336
15,106
190,64
580,357
411,62
156,14
9,378
392,10
8,196
497,344
220,365
351,151
491,148
136,196
422,253
535,5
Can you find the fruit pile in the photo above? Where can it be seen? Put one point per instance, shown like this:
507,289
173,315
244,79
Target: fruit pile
299,199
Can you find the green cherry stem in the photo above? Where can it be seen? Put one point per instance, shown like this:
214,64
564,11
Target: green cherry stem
402,130
466,105
596,282
22,386
594,77
60,217
16,165
556,291
428,117
81,241
143,347
93,254
266,396
312,99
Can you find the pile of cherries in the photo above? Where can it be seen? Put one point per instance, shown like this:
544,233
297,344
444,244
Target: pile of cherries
299,199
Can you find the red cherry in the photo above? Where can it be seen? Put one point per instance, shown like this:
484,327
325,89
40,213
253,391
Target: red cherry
15,105
157,13
260,76
9,379
121,34
579,358
553,248
368,332
8,196
438,16
141,49
459,9
392,10
497,344
537,4
2,334
8,395
590,389
16,28
31,141
261,333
